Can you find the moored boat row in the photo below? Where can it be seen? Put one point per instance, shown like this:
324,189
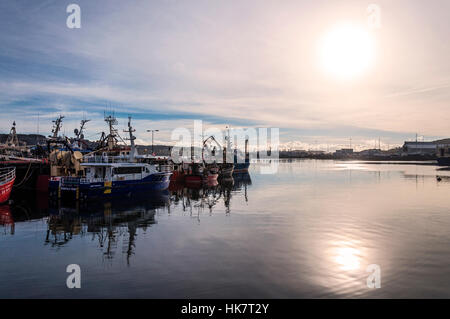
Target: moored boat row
110,175
79,169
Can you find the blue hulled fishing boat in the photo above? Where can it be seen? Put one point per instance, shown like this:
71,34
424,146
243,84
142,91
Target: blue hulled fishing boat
443,154
241,161
108,178
106,175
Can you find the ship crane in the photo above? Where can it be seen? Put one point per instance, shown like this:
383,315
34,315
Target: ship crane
13,140
79,133
213,152
55,138
79,136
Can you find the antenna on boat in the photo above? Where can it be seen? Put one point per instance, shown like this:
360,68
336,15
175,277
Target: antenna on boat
131,138
37,133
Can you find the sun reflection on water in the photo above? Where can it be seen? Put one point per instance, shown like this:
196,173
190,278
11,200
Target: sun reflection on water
348,258
344,266
350,166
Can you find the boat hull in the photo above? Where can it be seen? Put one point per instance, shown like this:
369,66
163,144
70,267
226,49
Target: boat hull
177,176
443,161
193,179
29,174
5,191
85,191
241,167
211,177
226,171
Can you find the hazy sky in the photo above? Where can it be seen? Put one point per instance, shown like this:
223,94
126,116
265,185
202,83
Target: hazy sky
243,63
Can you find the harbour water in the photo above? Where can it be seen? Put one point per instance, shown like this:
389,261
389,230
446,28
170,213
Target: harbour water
311,230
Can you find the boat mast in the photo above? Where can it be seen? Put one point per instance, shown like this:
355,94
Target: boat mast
57,127
112,136
228,148
131,138
228,138
247,154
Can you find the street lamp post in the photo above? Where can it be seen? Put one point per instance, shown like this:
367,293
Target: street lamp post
153,131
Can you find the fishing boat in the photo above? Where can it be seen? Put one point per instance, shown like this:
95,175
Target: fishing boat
177,175
443,161
226,170
211,173
30,166
241,161
241,167
178,172
195,172
7,178
105,175
443,154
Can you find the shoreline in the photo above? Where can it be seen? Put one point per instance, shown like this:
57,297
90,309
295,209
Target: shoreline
408,158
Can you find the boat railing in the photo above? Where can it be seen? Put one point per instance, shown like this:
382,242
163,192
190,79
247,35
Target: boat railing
104,159
7,174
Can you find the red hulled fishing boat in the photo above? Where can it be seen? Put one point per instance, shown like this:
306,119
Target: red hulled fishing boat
194,174
7,177
211,173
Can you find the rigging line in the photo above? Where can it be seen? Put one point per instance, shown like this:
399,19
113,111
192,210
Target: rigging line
25,177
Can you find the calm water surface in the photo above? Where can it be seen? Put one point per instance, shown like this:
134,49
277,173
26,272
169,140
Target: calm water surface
311,230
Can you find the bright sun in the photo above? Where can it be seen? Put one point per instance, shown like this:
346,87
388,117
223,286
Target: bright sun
346,51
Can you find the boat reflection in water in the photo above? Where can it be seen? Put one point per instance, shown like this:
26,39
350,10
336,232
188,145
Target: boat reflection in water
196,199
106,220
115,220
6,219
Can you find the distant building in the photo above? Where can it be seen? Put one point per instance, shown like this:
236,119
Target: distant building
311,152
420,148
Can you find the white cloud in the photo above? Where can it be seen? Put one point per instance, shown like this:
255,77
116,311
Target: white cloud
248,60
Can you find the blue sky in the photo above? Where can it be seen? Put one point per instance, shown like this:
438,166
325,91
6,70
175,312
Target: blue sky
240,63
